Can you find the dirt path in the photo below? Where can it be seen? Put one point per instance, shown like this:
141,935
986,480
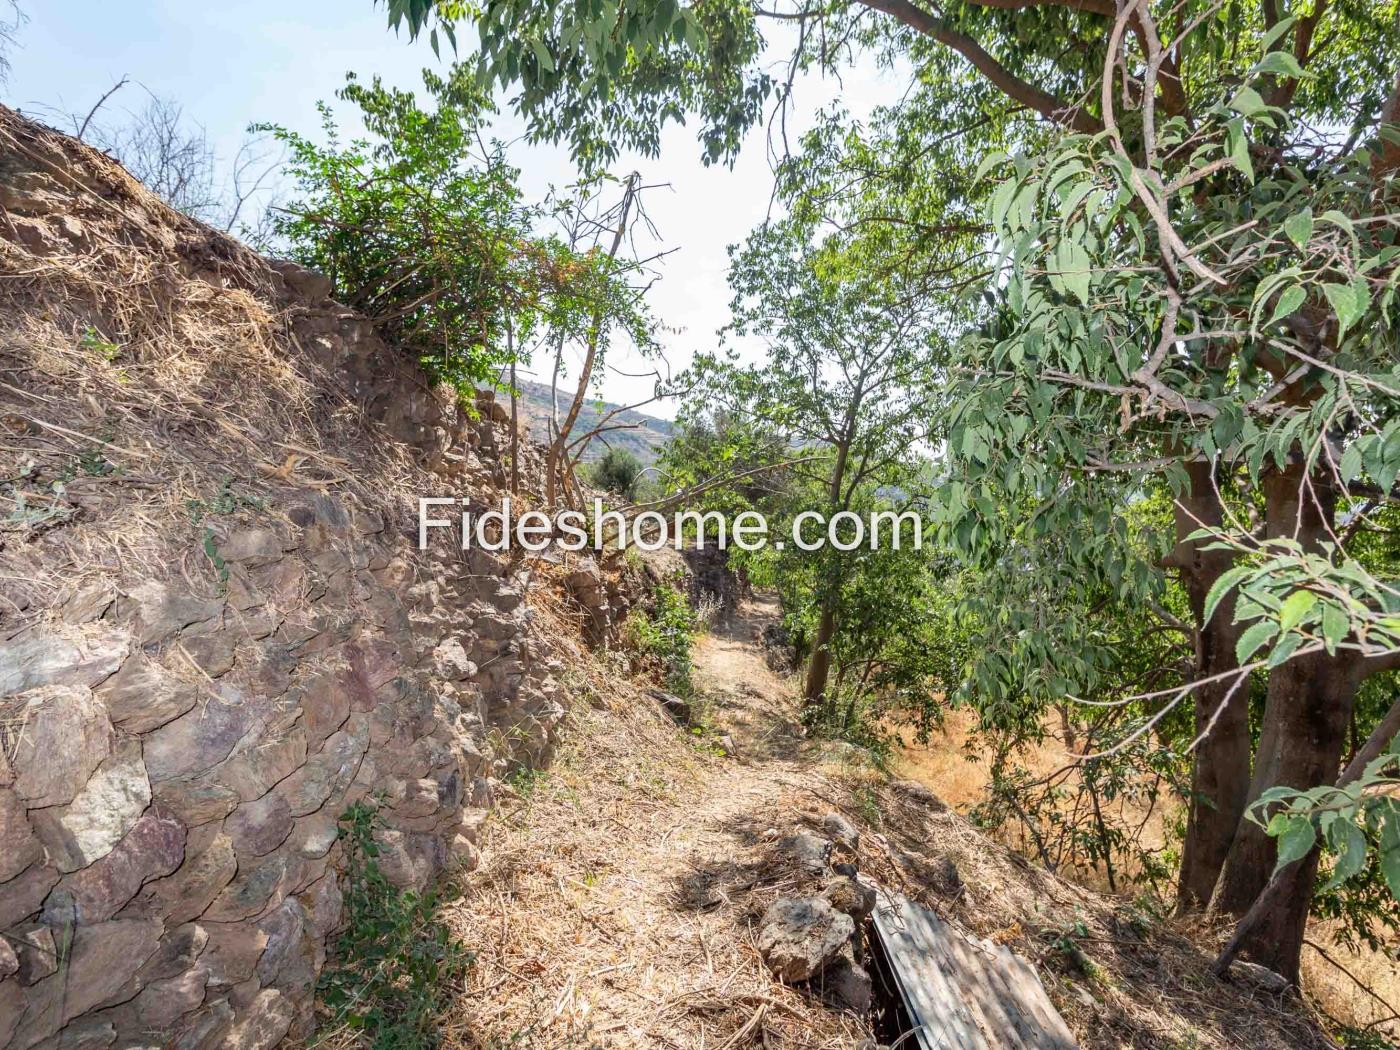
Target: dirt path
606,918
617,894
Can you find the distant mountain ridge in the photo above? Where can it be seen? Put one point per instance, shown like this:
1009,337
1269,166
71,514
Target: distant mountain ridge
643,435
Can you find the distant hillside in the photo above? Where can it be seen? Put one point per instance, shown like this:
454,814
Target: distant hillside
644,439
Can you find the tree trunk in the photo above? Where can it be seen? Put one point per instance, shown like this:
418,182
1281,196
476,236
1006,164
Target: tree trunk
1220,764
819,668
1300,745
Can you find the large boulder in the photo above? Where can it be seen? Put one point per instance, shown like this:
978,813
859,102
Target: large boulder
799,936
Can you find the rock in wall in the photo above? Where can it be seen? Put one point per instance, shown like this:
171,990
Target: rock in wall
216,631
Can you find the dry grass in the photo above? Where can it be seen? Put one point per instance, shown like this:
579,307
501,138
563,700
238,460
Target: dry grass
1354,987
148,368
617,894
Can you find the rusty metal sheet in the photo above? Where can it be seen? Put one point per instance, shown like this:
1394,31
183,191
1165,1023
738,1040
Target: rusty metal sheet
964,993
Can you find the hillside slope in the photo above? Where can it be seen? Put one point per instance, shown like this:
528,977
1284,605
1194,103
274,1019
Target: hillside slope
216,631
638,433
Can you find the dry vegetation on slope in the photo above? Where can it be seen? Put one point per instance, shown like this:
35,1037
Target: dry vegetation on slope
618,894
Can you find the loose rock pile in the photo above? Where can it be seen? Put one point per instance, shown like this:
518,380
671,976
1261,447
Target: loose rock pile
819,940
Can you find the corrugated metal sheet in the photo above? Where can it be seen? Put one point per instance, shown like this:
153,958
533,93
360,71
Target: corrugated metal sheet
962,993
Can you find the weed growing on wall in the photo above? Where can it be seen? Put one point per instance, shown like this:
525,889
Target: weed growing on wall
395,962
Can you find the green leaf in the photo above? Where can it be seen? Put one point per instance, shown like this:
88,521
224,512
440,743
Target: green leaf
1299,227
1252,639
1272,37
1345,304
1247,102
1335,626
1295,841
1390,851
1281,63
1221,587
1239,148
542,55
1349,842
1286,647
1074,267
1350,465
1288,301
1296,606
990,161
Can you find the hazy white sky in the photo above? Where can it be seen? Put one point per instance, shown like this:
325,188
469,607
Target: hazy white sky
271,60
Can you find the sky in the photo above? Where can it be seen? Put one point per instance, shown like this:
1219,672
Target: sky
272,60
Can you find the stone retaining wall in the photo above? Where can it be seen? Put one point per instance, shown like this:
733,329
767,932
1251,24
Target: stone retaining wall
180,729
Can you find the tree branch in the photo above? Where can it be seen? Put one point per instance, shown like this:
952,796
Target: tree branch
1028,95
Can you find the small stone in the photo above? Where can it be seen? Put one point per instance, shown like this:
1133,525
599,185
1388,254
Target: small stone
210,865
43,659
9,961
251,889
211,653
451,661
841,831
23,896
799,936
262,759
810,852
232,953
286,954
197,801
944,877
845,985
315,835
66,735
19,847
1261,977
38,953
850,896
206,1027
101,814
155,846
302,282
328,773
179,949
162,1003
203,737
262,1024
143,695
325,705
11,1010
83,603
254,545
259,827
157,610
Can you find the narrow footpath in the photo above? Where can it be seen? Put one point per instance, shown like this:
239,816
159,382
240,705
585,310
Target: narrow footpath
618,893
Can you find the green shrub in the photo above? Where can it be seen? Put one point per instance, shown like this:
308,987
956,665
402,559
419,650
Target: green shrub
618,472
422,227
395,958
665,636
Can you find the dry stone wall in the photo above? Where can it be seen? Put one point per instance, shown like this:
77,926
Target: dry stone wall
188,706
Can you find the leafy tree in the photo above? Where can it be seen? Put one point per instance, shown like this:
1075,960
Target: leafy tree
423,228
847,373
1193,299
618,472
